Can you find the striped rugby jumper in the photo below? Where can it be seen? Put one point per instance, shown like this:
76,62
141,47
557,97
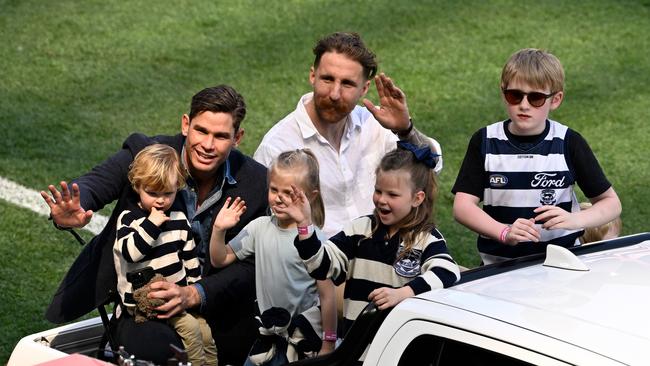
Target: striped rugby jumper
518,181
168,249
367,261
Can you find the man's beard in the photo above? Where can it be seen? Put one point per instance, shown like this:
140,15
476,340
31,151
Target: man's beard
331,112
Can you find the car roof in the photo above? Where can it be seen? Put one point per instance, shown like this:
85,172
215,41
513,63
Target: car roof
604,309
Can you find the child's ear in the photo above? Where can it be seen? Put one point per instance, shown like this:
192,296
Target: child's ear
556,100
312,195
418,198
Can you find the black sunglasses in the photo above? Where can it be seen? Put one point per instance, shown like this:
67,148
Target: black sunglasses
536,99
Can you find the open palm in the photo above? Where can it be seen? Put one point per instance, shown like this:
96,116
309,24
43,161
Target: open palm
230,213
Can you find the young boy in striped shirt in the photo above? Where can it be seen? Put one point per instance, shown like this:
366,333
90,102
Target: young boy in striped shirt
524,169
154,234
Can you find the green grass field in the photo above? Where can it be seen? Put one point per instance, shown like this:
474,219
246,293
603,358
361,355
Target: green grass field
76,78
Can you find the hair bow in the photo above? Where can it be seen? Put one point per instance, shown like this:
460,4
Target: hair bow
422,154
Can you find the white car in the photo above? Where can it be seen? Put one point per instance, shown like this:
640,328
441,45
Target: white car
591,308
588,306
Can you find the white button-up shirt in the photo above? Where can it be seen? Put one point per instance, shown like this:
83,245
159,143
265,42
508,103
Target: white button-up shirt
347,176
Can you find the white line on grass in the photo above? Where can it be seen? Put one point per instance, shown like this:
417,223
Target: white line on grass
30,199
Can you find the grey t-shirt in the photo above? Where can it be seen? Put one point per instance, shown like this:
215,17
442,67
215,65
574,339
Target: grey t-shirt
281,279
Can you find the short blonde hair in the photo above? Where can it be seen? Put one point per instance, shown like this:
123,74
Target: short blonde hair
156,167
597,233
537,68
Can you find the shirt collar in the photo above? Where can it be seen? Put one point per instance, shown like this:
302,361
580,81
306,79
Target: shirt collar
231,180
305,124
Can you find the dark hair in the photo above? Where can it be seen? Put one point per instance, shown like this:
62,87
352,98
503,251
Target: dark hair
220,98
351,45
423,178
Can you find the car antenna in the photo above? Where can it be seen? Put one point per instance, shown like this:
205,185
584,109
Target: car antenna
560,257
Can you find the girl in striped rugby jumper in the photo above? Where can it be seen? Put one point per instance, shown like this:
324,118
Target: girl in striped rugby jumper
395,253
154,234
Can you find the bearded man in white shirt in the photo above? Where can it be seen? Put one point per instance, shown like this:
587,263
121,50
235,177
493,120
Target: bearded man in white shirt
349,140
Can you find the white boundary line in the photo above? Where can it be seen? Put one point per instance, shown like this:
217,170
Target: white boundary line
32,200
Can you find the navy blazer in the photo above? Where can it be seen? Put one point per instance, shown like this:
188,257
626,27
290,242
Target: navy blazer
91,280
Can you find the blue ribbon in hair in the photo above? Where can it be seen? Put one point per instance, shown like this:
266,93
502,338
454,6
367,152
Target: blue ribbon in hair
422,154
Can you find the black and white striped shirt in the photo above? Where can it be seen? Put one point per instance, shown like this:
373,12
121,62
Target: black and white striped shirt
168,249
521,179
367,261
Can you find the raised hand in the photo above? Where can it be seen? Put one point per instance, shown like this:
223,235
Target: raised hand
157,217
392,112
65,209
296,206
229,214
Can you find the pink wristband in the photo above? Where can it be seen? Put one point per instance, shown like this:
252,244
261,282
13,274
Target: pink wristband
504,234
304,230
329,336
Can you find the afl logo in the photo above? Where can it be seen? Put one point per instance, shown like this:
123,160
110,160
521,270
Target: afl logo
498,180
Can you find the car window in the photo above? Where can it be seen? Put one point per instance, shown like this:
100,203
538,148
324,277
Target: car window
429,350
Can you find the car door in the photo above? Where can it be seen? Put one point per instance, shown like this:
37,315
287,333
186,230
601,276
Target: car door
423,342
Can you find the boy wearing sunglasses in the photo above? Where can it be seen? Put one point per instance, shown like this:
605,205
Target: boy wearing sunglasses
524,169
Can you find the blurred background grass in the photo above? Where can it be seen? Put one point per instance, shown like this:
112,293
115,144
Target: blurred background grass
76,78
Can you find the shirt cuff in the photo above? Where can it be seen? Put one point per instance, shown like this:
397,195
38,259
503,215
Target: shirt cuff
201,292
307,248
419,285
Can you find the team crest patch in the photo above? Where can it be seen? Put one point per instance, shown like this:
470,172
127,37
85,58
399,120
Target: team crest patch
547,197
498,180
409,265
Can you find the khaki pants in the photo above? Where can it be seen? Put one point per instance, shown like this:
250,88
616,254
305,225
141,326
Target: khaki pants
197,338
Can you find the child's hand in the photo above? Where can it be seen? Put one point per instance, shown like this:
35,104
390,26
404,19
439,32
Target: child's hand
523,230
157,217
555,217
297,206
386,297
229,214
